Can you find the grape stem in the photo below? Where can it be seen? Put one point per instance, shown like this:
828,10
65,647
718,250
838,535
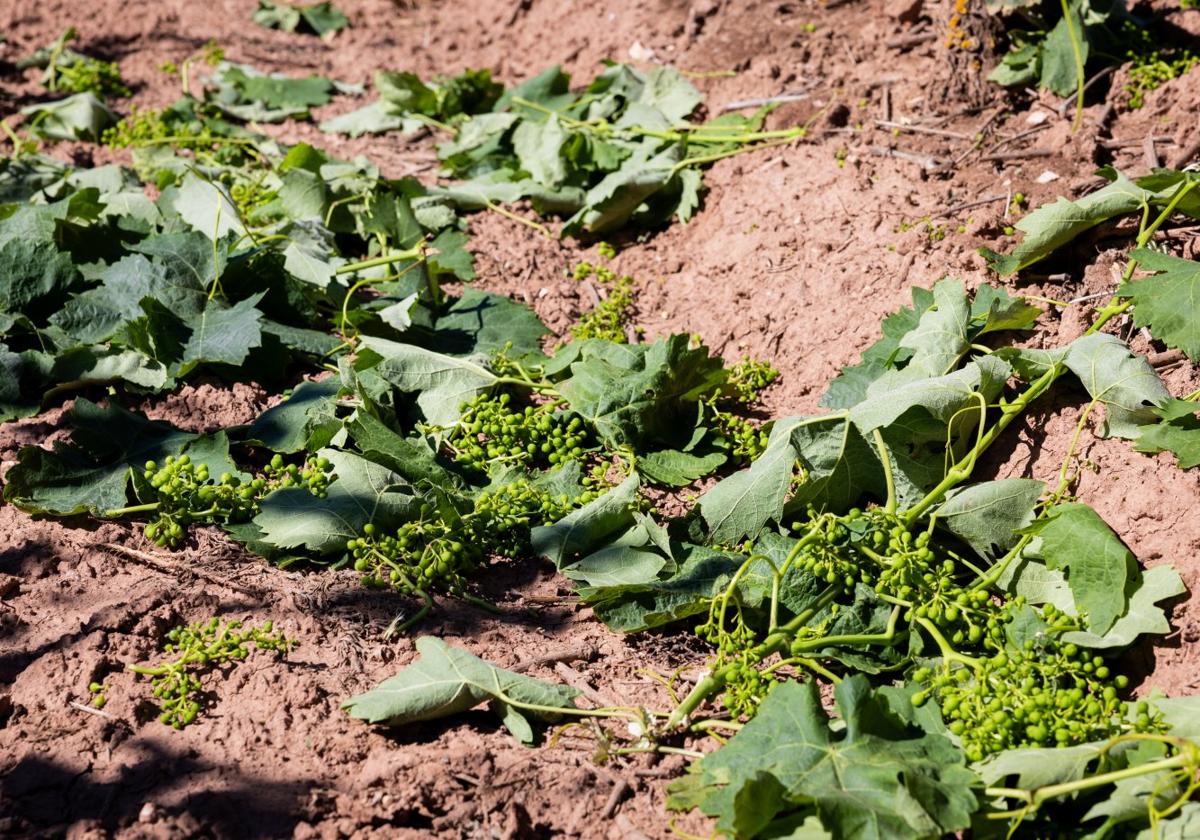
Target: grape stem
773,643
116,513
1188,757
1011,410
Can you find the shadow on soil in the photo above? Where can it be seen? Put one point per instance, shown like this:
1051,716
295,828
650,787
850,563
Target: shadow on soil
48,796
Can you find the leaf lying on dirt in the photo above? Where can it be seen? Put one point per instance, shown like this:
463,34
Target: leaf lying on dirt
320,19
1169,301
91,473
1051,226
989,516
879,777
1074,538
364,492
1178,432
83,116
446,681
1125,383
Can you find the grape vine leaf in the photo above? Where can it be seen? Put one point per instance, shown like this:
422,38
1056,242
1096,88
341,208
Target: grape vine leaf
940,337
637,394
989,515
482,323
205,207
305,421
839,466
1168,301
414,458
583,530
1126,383
942,396
364,492
90,474
879,777
615,566
677,469
741,504
1177,432
1034,767
1074,538
1051,226
446,680
634,608
223,334
1184,826
320,19
442,383
1143,616
83,116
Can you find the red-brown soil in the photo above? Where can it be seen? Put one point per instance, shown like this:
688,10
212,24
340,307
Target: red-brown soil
796,255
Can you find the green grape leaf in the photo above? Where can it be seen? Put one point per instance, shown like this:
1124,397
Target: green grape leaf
205,207
323,18
994,310
741,504
701,574
442,383
988,516
878,777
677,469
1184,825
34,276
942,396
839,465
584,529
452,257
223,334
364,492
83,116
1073,538
90,474
305,421
850,386
1168,301
482,323
1051,226
635,395
539,148
447,681
378,117
1126,384
1144,615
1034,767
414,458
1177,432
615,566
940,337
1059,71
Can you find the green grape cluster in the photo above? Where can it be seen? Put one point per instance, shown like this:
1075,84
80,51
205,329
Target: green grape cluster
313,475
185,493
493,433
199,648
151,126
741,439
436,550
1043,694
749,377
84,74
250,196
748,684
607,319
421,554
